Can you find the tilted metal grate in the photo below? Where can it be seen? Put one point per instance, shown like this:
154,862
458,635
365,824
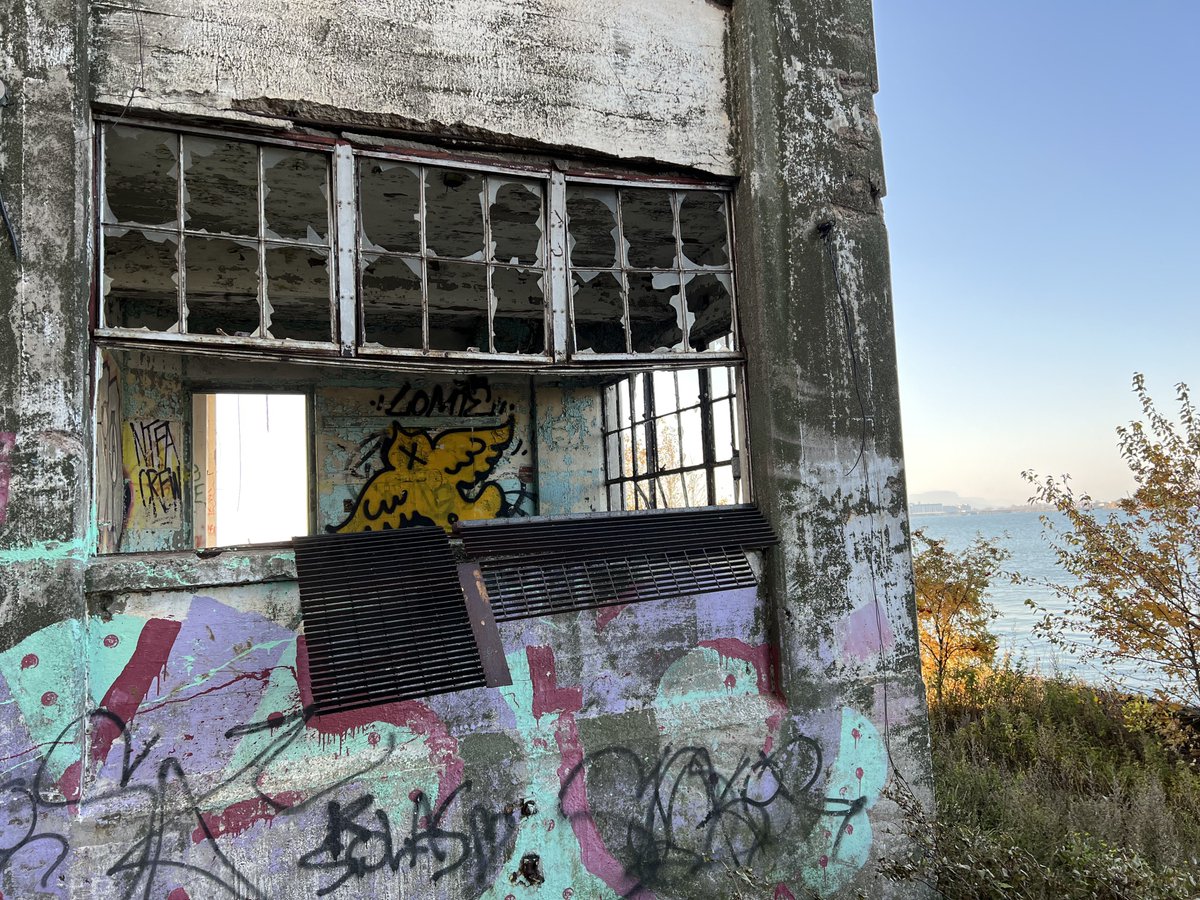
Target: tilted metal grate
546,566
384,618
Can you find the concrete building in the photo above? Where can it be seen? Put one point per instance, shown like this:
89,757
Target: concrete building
560,335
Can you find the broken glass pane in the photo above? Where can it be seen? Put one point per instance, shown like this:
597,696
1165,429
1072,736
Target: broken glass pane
457,306
649,225
710,309
141,176
654,312
140,280
641,455
454,214
220,179
391,292
221,286
670,492
296,187
519,316
516,220
599,312
592,227
389,197
702,228
298,293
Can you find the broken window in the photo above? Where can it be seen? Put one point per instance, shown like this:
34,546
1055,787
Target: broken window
651,270
214,236
451,259
206,237
673,439
466,340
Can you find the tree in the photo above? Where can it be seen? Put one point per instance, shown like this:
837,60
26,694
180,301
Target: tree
1136,588
953,617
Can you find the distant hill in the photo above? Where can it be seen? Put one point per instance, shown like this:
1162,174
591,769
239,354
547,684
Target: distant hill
951,498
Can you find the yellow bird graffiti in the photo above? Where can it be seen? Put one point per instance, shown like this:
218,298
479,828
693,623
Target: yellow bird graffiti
432,481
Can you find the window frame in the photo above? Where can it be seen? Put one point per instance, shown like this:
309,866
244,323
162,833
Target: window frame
617,482
348,344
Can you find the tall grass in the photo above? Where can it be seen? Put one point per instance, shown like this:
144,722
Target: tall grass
1048,788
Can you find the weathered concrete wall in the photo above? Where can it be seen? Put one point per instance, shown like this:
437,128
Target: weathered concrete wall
823,402
155,737
632,80
44,359
624,773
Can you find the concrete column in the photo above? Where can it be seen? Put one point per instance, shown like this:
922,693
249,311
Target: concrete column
823,405
45,443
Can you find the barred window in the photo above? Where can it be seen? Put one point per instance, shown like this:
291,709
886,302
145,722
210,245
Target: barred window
673,439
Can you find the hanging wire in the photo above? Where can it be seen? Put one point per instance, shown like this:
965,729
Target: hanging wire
825,230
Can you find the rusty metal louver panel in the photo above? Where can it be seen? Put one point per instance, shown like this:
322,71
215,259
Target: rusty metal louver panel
384,618
521,591
740,527
546,566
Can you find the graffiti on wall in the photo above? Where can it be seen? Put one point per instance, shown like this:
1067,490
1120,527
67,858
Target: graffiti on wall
468,396
432,478
154,467
189,757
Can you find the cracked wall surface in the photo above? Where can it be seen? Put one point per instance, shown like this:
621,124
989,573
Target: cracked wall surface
632,80
156,706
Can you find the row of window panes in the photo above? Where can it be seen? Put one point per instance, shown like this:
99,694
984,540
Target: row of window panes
214,235
210,235
651,269
451,259
664,425
677,490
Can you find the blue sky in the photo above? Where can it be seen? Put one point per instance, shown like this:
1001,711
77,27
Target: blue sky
1043,200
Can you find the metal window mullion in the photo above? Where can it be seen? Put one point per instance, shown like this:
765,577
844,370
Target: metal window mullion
622,265
181,248
679,436
345,275
652,462
740,435
708,435
486,200
684,328
735,338
263,325
562,315
102,202
423,170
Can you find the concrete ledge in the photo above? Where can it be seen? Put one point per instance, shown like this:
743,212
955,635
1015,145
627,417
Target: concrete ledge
188,570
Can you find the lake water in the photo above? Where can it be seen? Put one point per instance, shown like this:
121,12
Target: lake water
1020,532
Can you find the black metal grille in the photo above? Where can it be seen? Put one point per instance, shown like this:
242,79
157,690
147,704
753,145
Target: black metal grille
742,527
521,591
384,618
545,566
